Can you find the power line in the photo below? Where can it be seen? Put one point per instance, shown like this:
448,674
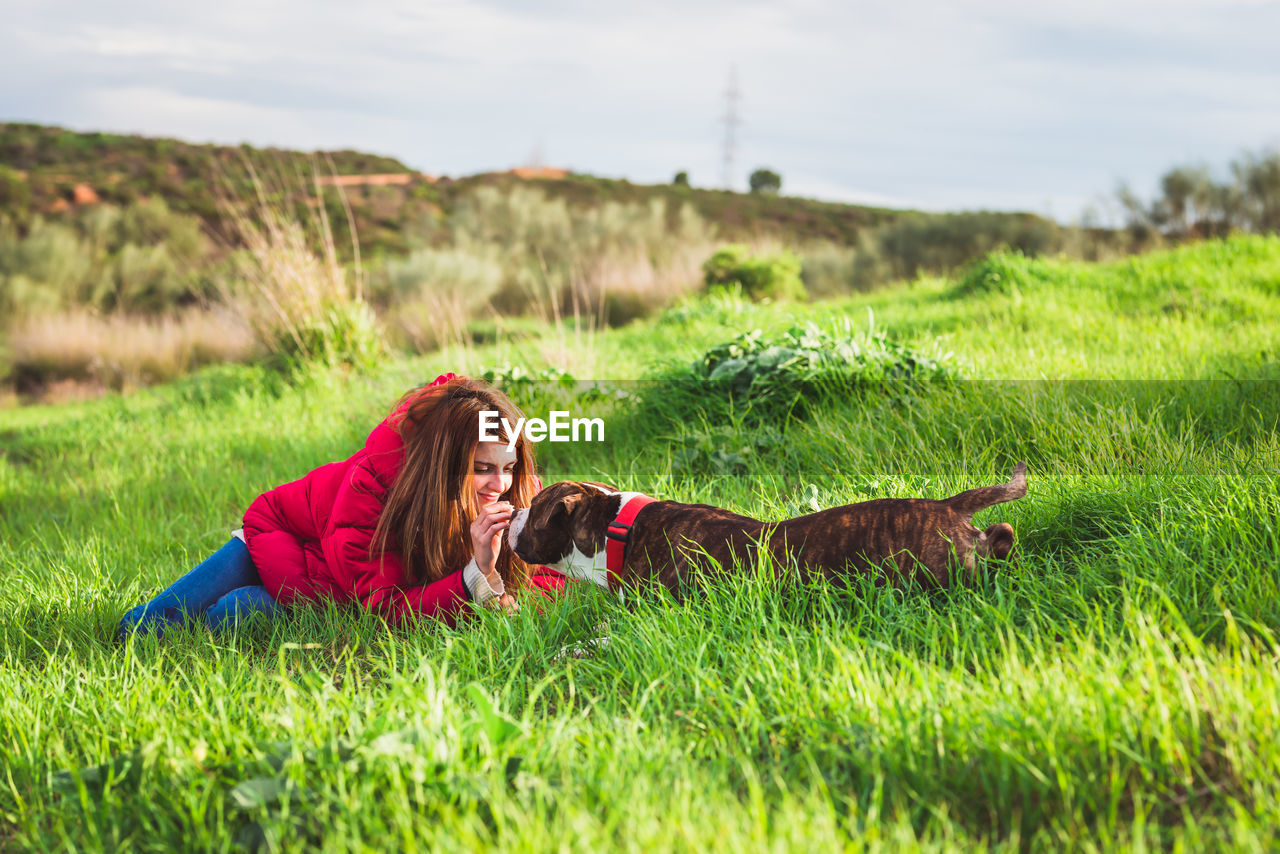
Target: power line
731,122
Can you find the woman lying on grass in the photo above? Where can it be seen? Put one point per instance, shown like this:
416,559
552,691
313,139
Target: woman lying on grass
410,524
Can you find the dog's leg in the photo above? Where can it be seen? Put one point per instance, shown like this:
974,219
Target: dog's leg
996,542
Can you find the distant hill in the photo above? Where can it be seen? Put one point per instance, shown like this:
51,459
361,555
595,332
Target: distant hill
47,170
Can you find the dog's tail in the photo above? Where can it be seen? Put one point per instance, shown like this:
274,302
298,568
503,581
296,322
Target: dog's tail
970,502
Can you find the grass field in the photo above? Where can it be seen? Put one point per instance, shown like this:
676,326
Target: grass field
1115,686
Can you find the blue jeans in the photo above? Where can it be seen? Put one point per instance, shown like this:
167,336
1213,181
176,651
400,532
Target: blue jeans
226,586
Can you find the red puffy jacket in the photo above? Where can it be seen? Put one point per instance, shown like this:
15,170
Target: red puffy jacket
310,539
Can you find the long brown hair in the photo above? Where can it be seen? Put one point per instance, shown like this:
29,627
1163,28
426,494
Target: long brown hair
429,509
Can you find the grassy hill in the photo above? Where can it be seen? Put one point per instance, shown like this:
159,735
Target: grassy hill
1113,687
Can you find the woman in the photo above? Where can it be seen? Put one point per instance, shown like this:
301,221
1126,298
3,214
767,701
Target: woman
410,524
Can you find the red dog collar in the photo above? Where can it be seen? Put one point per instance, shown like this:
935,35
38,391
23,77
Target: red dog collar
615,548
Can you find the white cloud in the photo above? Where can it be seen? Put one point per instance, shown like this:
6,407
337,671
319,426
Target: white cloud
939,104
143,109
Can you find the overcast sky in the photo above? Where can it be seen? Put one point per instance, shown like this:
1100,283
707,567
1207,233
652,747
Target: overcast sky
1002,104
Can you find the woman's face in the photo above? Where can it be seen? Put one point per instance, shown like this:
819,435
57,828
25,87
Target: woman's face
492,472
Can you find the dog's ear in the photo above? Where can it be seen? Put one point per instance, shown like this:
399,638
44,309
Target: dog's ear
563,509
566,517
590,521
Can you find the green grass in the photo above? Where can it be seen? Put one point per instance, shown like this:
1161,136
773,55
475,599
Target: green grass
1115,686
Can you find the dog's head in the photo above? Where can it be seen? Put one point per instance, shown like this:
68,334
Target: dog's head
564,527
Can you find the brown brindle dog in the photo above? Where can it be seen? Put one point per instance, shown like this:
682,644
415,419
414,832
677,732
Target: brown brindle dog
893,540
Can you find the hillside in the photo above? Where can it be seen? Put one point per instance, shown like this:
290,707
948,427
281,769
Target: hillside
41,167
128,260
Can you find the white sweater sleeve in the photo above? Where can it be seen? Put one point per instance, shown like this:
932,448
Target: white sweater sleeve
482,592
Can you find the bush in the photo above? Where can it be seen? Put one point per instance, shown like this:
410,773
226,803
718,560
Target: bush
774,276
143,259
344,333
563,260
435,292
490,330
940,243
144,278
805,367
805,359
48,268
828,270
303,305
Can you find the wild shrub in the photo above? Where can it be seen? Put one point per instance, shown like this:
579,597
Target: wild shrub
143,278
302,303
344,333
143,259
632,284
766,276
607,263
828,269
49,264
433,293
152,221
495,327
939,243
537,391
774,378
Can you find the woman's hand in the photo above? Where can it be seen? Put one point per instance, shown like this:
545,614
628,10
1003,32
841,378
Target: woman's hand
486,533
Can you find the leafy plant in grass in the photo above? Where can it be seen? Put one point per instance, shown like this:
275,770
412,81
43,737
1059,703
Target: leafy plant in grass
540,392
722,451
533,389
767,276
779,377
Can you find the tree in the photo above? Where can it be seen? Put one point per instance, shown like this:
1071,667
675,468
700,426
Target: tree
1186,195
1258,177
766,182
681,179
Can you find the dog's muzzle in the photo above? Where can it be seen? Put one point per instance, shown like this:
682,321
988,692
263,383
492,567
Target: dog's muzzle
516,526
